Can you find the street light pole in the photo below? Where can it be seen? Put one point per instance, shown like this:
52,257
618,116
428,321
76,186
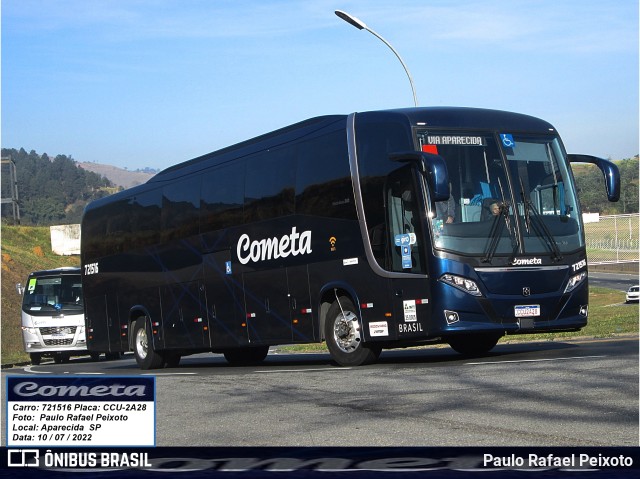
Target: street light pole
360,25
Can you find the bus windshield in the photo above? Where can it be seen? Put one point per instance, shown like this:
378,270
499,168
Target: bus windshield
45,295
510,194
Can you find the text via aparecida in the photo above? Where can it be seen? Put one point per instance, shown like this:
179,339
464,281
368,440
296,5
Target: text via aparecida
265,249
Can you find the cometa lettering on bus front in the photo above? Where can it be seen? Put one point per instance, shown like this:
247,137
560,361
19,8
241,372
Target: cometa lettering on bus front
266,249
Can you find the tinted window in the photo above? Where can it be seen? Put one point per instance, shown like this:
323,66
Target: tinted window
270,182
323,181
375,141
222,197
145,218
180,202
115,217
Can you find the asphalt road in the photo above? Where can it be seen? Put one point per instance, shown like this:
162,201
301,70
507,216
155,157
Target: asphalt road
619,281
572,393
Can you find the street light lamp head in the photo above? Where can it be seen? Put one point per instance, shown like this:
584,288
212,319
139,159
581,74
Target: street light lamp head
359,24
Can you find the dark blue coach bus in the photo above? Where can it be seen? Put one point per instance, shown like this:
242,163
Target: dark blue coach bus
372,230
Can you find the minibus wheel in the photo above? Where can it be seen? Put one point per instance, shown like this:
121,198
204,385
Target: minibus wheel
35,358
474,344
344,335
146,357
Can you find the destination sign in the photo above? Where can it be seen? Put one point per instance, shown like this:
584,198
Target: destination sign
456,140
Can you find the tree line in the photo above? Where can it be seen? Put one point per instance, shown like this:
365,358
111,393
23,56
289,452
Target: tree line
592,192
55,191
51,191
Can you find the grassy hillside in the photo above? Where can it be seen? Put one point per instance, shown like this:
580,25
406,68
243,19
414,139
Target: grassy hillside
24,249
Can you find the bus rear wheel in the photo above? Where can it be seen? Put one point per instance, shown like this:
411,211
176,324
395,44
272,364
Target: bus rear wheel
146,357
342,331
474,344
246,356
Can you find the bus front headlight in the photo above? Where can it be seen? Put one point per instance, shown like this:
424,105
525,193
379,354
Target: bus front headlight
575,281
463,284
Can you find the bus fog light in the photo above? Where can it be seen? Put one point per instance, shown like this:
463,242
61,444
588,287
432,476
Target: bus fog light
463,284
451,316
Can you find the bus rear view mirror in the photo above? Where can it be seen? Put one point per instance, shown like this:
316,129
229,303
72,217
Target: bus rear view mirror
434,170
609,170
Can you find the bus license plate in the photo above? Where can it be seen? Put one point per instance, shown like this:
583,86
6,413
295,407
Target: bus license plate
527,311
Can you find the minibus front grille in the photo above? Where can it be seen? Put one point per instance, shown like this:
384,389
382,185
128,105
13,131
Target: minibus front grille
58,342
58,330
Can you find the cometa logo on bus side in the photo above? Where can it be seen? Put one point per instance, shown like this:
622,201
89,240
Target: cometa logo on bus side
293,244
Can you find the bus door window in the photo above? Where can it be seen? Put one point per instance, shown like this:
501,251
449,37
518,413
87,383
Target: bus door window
405,235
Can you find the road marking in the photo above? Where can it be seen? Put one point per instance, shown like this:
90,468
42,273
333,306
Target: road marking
29,370
301,370
168,374
534,360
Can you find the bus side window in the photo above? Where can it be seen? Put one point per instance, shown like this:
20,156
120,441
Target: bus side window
403,218
222,197
269,186
323,179
180,208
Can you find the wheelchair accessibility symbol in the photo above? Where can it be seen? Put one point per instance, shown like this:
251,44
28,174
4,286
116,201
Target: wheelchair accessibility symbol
507,140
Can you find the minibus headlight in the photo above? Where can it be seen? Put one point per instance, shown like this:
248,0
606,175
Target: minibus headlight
575,281
463,284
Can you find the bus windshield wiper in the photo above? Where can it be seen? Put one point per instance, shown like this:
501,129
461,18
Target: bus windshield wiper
539,225
499,222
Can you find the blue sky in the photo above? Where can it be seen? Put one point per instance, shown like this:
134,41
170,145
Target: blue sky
151,83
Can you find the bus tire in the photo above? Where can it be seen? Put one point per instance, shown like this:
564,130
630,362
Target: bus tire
344,336
171,360
246,356
146,357
35,358
474,344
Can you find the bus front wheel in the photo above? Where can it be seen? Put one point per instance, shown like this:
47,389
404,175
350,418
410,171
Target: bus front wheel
473,344
35,358
342,331
146,357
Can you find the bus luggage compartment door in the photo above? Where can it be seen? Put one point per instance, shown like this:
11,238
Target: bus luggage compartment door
267,306
185,323
100,331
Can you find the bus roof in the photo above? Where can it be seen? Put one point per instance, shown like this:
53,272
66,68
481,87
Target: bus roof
468,118
435,117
